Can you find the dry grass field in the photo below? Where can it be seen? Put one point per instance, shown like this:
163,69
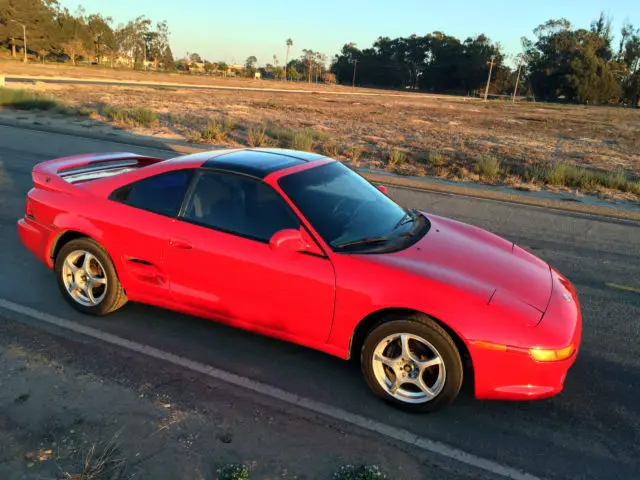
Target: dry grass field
14,67
588,149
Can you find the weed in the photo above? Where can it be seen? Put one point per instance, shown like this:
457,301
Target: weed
330,149
284,136
395,157
133,117
633,186
303,140
319,136
98,466
616,179
144,117
233,472
488,167
230,124
214,131
257,136
193,136
354,153
359,472
26,100
436,158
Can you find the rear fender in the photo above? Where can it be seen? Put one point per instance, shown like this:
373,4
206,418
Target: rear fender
66,222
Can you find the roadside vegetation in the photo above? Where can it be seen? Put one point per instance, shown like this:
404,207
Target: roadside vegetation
586,150
26,100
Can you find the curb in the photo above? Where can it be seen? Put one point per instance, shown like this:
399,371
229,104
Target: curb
390,180
168,145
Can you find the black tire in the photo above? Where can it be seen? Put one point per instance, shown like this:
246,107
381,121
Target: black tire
114,298
424,327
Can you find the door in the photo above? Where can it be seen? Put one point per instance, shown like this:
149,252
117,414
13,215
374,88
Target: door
219,261
136,226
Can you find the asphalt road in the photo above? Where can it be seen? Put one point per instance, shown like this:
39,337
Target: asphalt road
591,430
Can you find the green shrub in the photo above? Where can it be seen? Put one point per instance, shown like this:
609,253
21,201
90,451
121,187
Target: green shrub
133,117
193,136
214,131
395,157
633,186
330,149
359,472
257,136
233,472
436,158
283,136
488,167
303,140
616,180
26,100
144,117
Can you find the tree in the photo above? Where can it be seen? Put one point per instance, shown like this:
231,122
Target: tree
250,62
329,78
101,36
209,67
578,65
36,15
168,62
195,58
293,72
278,73
250,66
289,44
74,36
223,67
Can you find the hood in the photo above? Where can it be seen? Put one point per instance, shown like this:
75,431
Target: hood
456,252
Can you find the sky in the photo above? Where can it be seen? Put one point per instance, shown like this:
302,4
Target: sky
233,30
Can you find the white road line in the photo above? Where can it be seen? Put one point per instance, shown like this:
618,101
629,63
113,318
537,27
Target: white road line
333,412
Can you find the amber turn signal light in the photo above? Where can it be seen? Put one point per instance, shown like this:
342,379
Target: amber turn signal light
544,355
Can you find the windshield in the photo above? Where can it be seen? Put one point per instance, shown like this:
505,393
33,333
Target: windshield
346,210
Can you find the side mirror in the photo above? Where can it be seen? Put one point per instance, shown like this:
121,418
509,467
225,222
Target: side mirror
288,240
383,189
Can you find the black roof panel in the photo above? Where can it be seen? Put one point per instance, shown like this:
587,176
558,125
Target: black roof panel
259,162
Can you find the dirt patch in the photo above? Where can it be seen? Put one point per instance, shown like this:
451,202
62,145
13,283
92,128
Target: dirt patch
69,405
449,138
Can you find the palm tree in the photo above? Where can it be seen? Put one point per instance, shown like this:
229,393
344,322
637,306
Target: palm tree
286,63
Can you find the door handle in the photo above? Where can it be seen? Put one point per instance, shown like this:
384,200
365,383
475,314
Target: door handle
174,242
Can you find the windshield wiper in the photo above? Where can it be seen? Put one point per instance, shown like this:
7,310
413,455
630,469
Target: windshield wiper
408,217
362,241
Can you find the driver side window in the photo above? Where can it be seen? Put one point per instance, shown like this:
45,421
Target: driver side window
239,205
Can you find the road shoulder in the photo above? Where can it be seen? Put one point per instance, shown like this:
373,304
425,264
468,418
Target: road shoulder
62,395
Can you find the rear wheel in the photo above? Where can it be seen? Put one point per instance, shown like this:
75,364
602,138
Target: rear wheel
412,363
87,278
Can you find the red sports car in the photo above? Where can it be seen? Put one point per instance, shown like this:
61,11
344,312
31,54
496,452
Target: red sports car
298,246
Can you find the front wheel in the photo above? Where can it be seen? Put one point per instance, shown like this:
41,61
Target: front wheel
412,363
87,278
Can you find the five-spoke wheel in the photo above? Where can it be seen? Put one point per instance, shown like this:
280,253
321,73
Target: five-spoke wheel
84,278
87,278
412,362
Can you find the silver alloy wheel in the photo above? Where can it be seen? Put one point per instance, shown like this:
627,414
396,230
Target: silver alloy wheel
84,278
409,368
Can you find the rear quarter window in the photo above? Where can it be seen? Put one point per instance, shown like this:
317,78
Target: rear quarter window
162,194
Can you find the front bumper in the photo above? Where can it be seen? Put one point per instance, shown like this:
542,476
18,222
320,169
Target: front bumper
35,237
514,374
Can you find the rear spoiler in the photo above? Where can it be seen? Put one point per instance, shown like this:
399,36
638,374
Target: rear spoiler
61,173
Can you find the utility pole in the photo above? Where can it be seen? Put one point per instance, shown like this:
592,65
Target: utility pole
486,91
355,66
24,36
515,90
